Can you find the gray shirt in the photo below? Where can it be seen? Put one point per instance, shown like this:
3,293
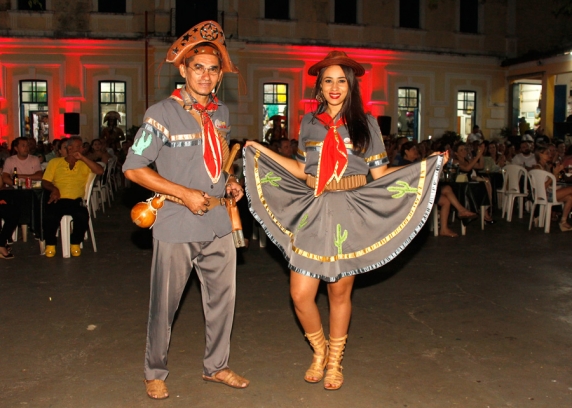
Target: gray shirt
171,137
313,133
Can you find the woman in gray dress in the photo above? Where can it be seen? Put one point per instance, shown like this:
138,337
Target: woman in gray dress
320,212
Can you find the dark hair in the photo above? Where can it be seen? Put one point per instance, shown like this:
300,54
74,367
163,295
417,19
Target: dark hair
495,144
74,139
19,139
456,147
352,109
538,151
406,146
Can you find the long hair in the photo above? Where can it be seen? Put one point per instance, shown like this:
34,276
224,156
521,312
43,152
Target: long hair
352,109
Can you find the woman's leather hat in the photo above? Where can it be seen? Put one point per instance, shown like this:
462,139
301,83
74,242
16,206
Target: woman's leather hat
337,58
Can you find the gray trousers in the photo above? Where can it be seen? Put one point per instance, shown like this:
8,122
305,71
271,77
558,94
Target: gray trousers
215,263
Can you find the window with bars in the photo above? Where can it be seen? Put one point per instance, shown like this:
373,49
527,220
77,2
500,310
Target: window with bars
35,5
408,113
345,12
466,111
277,9
112,97
275,110
409,14
469,16
112,6
33,106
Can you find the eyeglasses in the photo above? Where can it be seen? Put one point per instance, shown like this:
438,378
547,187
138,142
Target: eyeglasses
200,69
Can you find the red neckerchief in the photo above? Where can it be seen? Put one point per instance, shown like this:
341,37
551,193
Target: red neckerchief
333,159
212,151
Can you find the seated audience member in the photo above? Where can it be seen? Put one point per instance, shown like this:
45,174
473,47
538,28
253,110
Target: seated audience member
285,148
98,151
409,153
65,178
563,194
476,135
294,147
10,214
50,153
525,157
469,167
54,146
494,160
396,159
35,150
86,149
26,165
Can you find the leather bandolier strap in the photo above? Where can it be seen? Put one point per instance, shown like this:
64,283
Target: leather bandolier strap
213,201
345,183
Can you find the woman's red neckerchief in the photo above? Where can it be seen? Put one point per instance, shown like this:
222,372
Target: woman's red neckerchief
212,151
334,155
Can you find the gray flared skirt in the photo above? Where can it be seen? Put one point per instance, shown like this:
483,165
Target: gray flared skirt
340,233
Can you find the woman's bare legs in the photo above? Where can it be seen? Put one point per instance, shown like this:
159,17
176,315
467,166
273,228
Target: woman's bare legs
488,215
445,205
340,298
447,191
303,290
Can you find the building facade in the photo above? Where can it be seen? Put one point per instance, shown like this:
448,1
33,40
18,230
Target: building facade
431,65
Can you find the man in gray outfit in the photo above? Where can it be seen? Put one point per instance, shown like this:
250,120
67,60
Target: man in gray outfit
187,135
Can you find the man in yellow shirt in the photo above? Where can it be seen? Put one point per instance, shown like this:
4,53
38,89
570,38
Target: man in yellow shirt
65,179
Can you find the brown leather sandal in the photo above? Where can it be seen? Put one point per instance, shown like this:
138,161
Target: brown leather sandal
156,389
334,377
317,340
231,379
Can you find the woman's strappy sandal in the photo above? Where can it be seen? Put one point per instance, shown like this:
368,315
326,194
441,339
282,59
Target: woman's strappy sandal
317,340
334,377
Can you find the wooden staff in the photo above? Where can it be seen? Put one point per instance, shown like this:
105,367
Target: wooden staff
231,208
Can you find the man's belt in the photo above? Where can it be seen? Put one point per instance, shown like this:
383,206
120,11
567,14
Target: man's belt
345,183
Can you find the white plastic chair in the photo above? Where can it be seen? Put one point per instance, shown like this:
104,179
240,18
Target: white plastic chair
66,222
501,191
514,175
108,182
541,198
99,193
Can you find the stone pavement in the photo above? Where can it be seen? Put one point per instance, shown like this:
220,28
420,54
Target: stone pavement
483,320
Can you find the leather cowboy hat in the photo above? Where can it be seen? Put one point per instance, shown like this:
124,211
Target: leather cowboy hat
337,58
206,32
112,115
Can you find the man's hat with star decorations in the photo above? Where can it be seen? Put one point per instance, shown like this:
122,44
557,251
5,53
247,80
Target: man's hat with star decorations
204,38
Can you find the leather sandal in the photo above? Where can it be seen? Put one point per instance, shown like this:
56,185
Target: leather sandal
231,379
317,340
156,389
334,377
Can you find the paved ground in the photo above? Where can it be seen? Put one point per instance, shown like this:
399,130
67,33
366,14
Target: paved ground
478,321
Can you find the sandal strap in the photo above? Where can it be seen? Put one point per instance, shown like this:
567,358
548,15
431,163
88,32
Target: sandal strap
334,375
320,346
